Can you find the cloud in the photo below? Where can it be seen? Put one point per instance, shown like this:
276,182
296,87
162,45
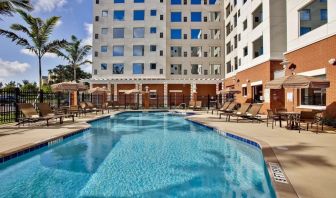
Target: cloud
8,68
89,33
30,53
48,5
59,23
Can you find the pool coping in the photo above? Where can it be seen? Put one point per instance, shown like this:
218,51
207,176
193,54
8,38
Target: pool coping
281,189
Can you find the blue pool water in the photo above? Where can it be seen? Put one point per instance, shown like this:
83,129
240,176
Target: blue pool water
140,155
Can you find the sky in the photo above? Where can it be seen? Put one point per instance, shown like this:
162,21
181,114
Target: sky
18,64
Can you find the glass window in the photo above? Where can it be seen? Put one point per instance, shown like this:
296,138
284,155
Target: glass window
175,16
313,97
196,16
104,30
119,15
175,2
119,1
196,34
305,15
118,50
176,51
215,69
175,34
104,13
214,16
304,30
153,30
212,2
138,50
138,15
245,51
244,91
152,66
215,51
228,67
215,34
138,68
196,2
152,48
153,12
103,66
196,51
324,14
139,1
175,69
103,48
118,68
118,33
196,69
139,32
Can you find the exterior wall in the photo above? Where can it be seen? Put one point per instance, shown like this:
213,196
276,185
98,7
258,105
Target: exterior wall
206,89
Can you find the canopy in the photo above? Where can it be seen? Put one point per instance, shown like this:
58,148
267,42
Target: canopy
297,81
133,91
229,91
98,90
175,91
68,86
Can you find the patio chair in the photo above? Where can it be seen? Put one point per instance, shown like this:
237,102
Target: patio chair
108,106
198,105
32,116
94,108
239,112
231,107
222,108
192,104
273,117
46,110
309,118
252,113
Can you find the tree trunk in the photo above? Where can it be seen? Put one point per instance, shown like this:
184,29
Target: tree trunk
40,73
75,73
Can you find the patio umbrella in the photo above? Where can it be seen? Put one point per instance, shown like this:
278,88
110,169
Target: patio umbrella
68,86
134,91
229,91
98,90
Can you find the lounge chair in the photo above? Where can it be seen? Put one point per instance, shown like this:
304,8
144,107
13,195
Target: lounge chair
192,104
32,116
108,106
239,112
198,105
232,106
45,110
91,107
252,113
223,107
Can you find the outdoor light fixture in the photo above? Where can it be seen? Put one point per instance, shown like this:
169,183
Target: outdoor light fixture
332,61
292,67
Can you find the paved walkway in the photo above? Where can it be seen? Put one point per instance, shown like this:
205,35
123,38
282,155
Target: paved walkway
308,159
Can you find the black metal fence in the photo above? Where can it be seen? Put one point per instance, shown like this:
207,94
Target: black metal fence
9,111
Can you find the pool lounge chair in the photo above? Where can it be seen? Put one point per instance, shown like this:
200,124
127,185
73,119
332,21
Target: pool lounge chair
232,106
252,113
192,104
223,107
240,112
198,105
32,116
91,107
45,110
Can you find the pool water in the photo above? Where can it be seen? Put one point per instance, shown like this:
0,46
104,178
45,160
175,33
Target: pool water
140,155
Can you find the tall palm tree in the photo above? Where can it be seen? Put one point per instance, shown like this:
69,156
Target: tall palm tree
8,7
37,35
75,54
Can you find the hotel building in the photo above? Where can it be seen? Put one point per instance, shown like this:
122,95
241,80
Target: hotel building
162,46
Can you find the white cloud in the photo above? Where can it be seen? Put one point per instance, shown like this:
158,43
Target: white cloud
59,23
8,68
48,5
30,53
87,68
89,33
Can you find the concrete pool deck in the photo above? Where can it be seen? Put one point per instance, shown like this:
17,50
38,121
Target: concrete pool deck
308,159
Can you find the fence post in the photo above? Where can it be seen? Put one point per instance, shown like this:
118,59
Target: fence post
157,101
208,101
17,110
83,97
125,101
170,101
91,98
58,99
41,96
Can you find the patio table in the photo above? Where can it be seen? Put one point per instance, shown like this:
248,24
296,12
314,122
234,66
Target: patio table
291,116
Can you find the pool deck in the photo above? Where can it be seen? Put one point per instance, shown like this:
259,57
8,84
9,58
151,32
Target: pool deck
308,159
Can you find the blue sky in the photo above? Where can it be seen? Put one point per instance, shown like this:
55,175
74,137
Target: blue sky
76,18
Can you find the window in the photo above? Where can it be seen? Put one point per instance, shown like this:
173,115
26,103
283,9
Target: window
153,12
161,17
175,2
214,16
152,66
324,14
196,51
104,13
118,33
138,15
304,30
175,51
245,51
236,63
161,52
152,94
153,30
119,15
138,50
119,1
305,15
228,47
138,68
244,91
95,72
195,2
257,16
175,33
196,69
215,69
103,66
176,69
215,34
212,2
245,24
103,48
139,1
315,97
118,68
196,33
104,30
152,48
175,16
139,32
228,67
118,50
258,47
196,16
215,51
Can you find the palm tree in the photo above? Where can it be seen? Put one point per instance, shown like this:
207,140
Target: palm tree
8,7
37,34
75,54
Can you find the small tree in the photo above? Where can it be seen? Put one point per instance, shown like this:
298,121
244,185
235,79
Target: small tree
62,73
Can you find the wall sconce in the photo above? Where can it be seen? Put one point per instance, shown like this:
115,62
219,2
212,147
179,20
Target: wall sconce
285,63
247,80
292,67
332,61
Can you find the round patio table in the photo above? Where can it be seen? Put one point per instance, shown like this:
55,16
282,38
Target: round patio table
291,117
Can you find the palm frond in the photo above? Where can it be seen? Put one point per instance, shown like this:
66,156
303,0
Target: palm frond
21,28
53,46
14,37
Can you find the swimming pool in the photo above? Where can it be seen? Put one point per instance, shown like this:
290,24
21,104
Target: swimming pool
140,155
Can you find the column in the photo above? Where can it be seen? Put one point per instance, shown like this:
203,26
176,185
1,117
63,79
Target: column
223,97
115,92
165,94
193,91
140,95
109,93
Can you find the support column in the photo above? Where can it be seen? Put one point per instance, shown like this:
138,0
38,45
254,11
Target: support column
91,85
193,90
223,97
109,93
140,95
165,94
115,92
